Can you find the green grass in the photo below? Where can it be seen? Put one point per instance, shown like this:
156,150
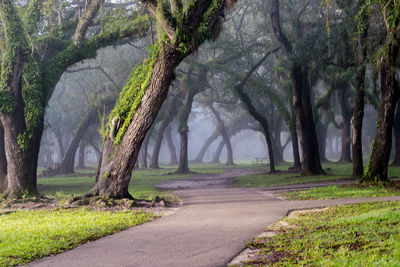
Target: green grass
142,183
28,235
357,235
334,172
332,192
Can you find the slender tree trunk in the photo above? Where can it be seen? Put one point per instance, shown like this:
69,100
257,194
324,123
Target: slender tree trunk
81,156
260,119
346,115
172,108
218,152
358,112
60,142
396,128
171,146
311,164
68,161
378,164
3,162
322,136
278,148
183,117
144,150
295,147
225,136
206,145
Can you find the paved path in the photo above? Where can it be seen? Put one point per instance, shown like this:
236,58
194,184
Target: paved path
211,227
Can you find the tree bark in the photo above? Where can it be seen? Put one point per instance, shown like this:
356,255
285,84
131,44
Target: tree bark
60,142
311,164
225,136
295,147
396,129
206,145
171,146
117,161
278,148
378,164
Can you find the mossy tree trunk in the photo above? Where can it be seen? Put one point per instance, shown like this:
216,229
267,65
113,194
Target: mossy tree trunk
41,61
171,146
390,92
311,164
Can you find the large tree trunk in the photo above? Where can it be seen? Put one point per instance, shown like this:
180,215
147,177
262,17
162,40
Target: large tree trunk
311,164
171,146
225,136
378,165
206,145
3,162
346,115
396,128
117,160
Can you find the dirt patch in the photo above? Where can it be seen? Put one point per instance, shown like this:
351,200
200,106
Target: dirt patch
208,181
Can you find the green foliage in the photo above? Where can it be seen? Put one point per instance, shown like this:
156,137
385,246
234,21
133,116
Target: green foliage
29,235
131,97
356,235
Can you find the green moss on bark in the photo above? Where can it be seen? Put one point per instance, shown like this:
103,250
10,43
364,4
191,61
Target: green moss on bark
131,97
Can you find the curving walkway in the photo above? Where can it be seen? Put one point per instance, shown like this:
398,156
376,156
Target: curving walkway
210,229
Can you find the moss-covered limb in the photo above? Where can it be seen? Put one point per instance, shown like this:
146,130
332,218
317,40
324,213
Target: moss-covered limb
322,101
32,16
57,65
13,56
85,20
131,97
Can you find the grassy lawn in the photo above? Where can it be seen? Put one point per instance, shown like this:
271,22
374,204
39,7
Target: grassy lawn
334,172
357,235
332,192
29,235
142,184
